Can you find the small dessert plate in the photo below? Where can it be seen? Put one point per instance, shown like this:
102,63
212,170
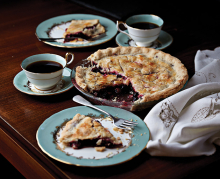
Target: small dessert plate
135,142
22,84
164,40
55,27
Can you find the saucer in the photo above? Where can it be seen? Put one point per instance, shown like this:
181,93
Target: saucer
164,40
22,84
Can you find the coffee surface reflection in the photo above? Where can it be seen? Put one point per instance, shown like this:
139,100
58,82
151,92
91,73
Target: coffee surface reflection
44,66
144,25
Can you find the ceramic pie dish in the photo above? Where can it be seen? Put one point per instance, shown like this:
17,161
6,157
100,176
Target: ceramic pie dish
132,78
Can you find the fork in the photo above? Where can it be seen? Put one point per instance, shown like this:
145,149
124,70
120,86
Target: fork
118,122
54,39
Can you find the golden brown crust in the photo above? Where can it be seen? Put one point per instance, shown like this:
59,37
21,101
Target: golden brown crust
83,26
79,77
152,73
100,149
91,81
82,127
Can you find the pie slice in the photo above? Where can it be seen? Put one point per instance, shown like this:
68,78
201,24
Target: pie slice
84,29
94,81
83,131
132,74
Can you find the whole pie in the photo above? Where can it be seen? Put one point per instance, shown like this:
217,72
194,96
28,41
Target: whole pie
132,74
83,131
83,29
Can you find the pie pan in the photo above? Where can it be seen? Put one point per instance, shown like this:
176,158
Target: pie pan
129,106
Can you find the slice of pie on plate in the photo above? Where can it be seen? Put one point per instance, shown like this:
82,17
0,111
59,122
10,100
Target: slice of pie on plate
138,74
83,131
83,30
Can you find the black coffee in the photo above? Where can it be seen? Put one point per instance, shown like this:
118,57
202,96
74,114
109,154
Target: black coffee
144,25
44,67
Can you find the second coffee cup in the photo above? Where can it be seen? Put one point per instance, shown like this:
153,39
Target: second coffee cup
144,29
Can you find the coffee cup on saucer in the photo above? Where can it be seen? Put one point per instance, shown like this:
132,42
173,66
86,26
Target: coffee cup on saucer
144,29
44,71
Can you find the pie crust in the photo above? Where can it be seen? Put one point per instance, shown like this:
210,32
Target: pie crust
83,130
84,29
151,73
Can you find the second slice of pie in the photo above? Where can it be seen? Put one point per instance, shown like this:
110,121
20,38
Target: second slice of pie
83,131
83,29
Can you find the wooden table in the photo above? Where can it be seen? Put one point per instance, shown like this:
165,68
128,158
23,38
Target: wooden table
21,114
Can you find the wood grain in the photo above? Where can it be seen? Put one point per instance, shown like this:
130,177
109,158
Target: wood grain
21,115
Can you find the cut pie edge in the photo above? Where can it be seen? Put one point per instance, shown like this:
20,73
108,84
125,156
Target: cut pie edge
84,29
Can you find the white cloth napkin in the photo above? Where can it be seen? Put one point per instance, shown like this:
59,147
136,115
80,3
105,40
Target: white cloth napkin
188,123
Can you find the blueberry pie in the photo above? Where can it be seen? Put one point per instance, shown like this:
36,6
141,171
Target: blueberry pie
84,29
132,74
83,131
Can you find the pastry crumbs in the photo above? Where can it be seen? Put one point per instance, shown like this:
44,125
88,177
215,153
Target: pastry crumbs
100,149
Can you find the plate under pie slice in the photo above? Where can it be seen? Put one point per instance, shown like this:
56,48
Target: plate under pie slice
132,74
83,131
83,29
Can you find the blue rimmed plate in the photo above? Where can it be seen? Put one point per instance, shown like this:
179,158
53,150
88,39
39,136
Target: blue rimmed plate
164,40
43,28
45,137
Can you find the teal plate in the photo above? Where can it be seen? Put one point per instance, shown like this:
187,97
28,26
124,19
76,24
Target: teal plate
164,40
21,83
140,137
45,26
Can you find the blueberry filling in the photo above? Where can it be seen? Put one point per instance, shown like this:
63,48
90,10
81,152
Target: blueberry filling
118,92
99,69
93,143
90,27
76,35
79,34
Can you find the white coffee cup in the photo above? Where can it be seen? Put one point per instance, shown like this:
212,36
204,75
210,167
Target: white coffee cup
142,37
46,80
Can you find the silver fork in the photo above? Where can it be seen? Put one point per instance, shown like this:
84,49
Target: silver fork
54,39
118,122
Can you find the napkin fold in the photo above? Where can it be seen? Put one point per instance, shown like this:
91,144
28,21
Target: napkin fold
188,122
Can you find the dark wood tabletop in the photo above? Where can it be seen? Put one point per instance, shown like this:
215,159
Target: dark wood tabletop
193,27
